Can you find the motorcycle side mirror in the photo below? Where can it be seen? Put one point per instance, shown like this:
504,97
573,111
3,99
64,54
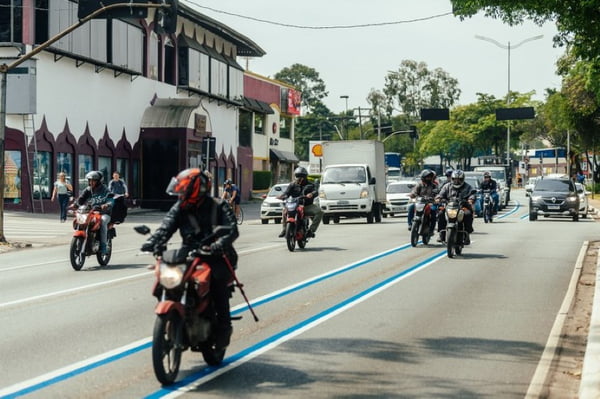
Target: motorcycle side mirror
142,229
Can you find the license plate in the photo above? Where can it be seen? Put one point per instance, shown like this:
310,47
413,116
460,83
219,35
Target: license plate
553,207
343,202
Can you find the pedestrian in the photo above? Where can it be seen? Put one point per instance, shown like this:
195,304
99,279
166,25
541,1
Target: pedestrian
63,190
519,180
118,187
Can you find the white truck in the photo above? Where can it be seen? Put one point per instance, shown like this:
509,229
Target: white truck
353,180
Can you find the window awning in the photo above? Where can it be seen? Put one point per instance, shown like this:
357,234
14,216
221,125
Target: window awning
257,106
284,156
169,112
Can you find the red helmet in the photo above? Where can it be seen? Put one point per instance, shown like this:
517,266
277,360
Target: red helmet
191,185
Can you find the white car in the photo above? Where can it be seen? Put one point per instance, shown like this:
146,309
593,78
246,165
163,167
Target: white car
530,185
396,197
583,200
271,207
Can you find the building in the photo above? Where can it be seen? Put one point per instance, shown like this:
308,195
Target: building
121,94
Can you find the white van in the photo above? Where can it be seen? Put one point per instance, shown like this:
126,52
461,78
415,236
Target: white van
499,174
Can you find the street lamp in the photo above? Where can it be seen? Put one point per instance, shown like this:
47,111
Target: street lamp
508,47
346,114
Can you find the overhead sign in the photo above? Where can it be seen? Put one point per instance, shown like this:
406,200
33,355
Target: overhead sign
435,114
509,114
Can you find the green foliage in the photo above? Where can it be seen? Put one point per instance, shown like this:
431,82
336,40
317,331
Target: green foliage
308,81
261,179
576,20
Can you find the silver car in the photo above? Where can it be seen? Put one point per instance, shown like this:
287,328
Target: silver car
271,207
583,199
396,197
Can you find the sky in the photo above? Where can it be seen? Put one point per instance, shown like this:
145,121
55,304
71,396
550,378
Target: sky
353,61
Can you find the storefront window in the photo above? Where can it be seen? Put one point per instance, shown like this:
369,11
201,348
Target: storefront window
42,177
123,169
85,165
133,186
12,182
104,166
64,163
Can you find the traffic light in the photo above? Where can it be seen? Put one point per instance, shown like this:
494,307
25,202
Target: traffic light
413,132
165,19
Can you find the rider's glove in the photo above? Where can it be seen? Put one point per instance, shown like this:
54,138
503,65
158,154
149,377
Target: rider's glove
216,248
148,247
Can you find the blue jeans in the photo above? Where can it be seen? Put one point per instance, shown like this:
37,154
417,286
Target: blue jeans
63,201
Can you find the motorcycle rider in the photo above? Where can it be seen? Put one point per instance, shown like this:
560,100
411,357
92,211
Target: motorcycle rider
296,189
442,212
196,213
490,184
425,188
98,195
466,197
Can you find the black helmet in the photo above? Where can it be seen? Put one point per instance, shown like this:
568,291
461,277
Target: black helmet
487,174
300,172
458,178
427,175
94,175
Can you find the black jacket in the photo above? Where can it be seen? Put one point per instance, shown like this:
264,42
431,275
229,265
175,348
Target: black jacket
295,190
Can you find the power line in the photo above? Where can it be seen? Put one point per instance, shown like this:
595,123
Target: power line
285,25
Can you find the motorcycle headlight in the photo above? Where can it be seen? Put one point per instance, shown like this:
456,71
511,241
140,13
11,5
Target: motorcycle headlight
452,213
81,217
364,193
170,275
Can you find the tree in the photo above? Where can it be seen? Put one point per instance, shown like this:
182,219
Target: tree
306,80
413,86
576,20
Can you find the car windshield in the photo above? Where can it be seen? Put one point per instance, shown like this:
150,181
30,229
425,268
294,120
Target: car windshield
344,174
473,182
276,190
400,188
553,185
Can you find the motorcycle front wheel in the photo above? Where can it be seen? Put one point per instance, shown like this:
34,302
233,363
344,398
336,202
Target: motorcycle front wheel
166,352
290,236
414,234
104,259
450,242
76,253
213,356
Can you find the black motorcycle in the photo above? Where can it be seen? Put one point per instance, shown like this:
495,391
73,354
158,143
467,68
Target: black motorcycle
421,224
488,206
455,227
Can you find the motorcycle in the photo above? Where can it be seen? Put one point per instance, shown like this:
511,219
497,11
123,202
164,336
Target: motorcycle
455,227
297,223
421,224
86,237
488,206
185,313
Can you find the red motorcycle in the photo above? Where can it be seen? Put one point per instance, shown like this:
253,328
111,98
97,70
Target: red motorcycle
86,237
185,314
297,223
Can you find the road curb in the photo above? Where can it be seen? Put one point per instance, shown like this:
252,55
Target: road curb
589,388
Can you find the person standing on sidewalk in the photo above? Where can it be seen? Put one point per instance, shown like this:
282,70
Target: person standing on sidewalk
62,190
117,186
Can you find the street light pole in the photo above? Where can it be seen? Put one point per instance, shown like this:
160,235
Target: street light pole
508,47
346,114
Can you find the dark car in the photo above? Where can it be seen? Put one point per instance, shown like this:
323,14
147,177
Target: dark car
554,197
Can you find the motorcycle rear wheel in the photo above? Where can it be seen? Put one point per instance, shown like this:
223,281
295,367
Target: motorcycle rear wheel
104,259
166,353
290,236
213,356
414,234
76,255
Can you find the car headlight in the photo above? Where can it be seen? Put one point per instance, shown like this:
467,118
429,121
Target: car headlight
170,275
364,193
322,195
572,199
536,197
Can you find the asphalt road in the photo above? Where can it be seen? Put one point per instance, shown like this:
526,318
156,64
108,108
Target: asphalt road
358,313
